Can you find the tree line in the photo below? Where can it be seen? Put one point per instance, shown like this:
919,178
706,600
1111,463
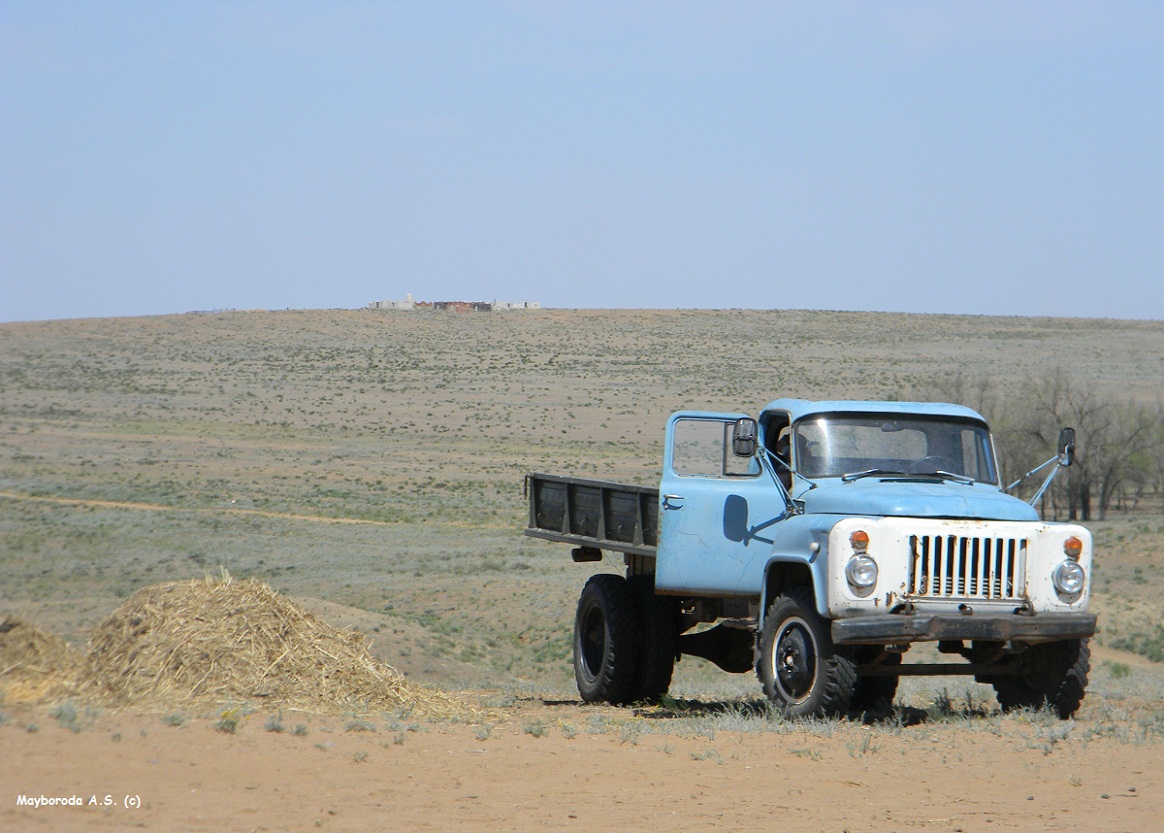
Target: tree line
1119,450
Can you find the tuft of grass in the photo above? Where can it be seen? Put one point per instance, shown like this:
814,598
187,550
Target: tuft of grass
174,719
711,753
1148,642
227,721
945,709
629,731
861,745
300,731
805,753
597,724
1118,670
274,723
70,718
1046,737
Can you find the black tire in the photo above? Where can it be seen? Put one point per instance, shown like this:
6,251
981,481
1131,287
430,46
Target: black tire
606,641
803,673
873,696
658,638
1052,674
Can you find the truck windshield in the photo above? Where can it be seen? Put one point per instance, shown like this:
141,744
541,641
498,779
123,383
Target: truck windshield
832,445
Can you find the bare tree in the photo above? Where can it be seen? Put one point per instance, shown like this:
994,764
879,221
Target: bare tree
1117,440
978,391
1119,443
1059,402
1125,450
1157,458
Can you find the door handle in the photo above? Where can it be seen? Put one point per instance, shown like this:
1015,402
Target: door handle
673,501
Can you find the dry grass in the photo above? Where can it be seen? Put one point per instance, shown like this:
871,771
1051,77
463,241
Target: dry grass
209,642
36,666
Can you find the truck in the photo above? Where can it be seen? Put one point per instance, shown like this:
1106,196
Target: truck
816,545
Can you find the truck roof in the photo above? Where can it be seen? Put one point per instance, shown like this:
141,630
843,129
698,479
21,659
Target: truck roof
800,408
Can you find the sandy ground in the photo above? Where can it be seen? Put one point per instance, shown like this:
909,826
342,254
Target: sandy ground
570,775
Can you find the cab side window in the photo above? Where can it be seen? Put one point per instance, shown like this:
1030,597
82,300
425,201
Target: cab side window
778,438
703,448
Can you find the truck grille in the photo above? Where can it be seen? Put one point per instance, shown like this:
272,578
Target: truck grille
967,567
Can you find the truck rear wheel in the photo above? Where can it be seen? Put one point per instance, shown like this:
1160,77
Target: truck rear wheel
802,672
658,620
873,695
1052,674
606,641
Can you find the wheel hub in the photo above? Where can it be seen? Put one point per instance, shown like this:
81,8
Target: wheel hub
795,662
593,642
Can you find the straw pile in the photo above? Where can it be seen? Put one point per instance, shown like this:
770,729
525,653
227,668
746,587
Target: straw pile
215,641
36,666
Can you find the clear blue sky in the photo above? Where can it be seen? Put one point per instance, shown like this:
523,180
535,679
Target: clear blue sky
961,157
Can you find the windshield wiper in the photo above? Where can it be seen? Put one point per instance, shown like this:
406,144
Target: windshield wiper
949,475
857,475
945,475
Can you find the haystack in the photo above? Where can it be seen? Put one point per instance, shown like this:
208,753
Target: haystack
36,666
218,641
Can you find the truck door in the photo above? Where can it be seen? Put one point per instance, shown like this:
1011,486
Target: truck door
716,511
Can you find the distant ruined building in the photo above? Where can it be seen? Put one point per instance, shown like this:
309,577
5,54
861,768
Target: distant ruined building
409,303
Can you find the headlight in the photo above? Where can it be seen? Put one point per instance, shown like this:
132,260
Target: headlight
1069,578
861,571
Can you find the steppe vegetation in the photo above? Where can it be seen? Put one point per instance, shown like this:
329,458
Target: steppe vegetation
370,464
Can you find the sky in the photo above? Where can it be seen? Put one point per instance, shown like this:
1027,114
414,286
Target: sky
986,158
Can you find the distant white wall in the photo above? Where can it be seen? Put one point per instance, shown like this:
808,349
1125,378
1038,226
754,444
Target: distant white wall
410,303
407,303
511,305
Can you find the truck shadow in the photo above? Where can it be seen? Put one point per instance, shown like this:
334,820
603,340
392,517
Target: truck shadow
897,715
675,708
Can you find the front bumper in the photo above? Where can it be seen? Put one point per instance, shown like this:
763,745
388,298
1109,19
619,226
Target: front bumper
888,628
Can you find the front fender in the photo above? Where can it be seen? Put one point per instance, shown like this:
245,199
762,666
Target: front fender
799,558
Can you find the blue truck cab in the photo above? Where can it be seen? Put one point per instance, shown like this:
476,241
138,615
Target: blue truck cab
817,544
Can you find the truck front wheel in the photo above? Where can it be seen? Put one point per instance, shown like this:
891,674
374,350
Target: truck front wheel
606,641
802,672
1052,674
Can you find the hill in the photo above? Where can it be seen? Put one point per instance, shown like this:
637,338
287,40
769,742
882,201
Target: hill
371,462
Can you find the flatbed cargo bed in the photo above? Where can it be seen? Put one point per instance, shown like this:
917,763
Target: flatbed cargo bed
593,514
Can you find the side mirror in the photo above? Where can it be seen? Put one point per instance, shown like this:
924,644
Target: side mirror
744,437
1067,446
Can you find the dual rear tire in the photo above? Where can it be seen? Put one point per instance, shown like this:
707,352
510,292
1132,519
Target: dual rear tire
1050,675
625,640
